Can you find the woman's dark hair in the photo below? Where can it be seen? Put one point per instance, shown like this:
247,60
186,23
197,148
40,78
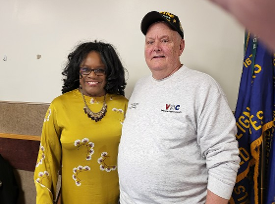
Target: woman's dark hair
115,72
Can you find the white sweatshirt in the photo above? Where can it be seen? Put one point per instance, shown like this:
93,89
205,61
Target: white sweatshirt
178,140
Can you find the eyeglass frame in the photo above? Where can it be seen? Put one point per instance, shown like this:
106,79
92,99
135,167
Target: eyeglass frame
97,71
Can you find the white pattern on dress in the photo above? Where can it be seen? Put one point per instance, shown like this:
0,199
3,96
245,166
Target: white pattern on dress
77,171
89,146
103,166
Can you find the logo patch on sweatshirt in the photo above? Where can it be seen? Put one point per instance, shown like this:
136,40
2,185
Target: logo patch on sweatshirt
172,108
133,105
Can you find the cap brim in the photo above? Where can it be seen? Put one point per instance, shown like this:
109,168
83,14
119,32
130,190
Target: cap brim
149,19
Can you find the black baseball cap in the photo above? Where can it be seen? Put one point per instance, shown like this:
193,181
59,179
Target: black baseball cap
155,16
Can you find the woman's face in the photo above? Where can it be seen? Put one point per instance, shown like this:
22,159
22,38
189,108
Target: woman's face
92,75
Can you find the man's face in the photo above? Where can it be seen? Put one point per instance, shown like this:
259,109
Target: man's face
163,48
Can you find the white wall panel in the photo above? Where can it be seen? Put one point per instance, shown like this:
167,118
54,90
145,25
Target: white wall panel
52,28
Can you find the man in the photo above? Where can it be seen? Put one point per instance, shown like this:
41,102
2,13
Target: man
257,16
178,141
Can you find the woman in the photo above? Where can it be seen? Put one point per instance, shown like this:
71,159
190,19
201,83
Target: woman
82,129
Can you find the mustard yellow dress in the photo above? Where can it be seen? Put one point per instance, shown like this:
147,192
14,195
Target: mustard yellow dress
84,150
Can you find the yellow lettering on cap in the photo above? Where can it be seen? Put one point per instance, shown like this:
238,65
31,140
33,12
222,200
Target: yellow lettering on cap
167,14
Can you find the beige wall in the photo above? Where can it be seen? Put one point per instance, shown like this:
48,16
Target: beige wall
214,41
22,118
27,189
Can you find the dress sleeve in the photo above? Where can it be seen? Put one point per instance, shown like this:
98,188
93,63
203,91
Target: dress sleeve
48,160
216,132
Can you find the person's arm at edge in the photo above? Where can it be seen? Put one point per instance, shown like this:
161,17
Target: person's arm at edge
257,16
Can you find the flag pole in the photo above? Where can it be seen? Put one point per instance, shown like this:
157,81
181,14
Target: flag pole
263,160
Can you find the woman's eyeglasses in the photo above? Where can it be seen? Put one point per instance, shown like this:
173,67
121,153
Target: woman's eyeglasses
87,71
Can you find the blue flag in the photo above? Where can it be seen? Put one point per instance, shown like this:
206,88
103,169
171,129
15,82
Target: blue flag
270,160
254,117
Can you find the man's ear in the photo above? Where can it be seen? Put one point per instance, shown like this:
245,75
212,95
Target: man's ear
182,46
